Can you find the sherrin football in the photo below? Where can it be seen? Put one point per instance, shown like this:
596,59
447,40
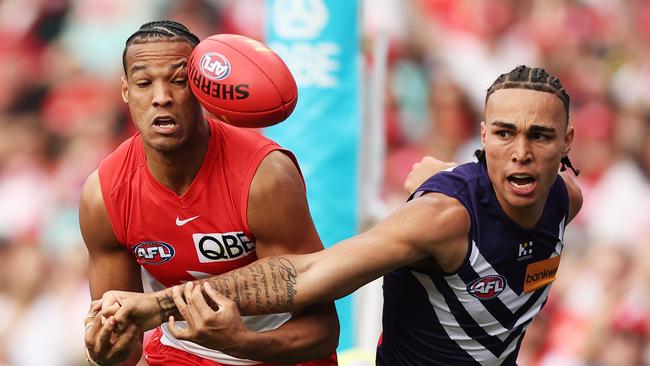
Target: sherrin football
241,81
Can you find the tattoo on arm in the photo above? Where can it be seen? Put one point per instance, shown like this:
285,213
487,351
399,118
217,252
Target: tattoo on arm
263,287
289,275
167,307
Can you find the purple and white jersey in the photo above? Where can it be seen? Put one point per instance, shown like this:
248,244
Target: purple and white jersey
478,314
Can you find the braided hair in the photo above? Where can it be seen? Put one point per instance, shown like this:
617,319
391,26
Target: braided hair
160,30
524,77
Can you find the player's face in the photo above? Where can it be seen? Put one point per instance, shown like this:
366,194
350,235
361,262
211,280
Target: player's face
159,97
524,135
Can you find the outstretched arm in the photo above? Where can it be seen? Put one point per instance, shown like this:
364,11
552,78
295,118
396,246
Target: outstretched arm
430,227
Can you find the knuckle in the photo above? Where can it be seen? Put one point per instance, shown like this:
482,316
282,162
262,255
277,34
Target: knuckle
89,341
212,319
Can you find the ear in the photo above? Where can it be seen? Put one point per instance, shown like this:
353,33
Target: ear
125,90
483,133
568,140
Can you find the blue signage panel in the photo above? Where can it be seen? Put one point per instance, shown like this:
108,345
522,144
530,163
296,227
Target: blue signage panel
319,41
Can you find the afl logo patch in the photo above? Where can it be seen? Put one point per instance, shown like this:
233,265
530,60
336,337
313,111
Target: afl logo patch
487,287
153,252
215,66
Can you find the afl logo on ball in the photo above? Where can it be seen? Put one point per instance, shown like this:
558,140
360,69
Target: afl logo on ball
215,66
487,287
153,252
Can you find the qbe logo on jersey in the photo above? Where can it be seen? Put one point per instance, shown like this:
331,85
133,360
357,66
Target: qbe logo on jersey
153,252
487,287
215,66
221,247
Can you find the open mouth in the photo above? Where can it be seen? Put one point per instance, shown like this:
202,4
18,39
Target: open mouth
164,122
521,182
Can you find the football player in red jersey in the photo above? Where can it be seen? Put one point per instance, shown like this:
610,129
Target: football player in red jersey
189,197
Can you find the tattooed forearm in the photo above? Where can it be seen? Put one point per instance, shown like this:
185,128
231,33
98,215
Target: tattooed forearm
289,275
256,271
167,307
267,286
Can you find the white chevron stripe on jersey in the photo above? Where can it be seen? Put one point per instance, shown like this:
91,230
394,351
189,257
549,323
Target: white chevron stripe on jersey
455,332
537,306
560,234
476,309
508,297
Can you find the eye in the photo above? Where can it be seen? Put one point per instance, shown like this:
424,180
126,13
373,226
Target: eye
143,83
504,133
538,137
179,81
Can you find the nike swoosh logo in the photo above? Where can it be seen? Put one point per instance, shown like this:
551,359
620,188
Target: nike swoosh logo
180,222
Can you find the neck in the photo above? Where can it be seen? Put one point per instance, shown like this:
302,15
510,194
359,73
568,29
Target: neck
526,217
177,169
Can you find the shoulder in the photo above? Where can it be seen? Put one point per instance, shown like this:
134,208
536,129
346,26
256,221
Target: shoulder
278,213
277,173
458,175
440,213
243,149
119,164
91,193
575,195
94,221
454,182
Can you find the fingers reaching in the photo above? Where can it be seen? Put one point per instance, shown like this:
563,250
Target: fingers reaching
179,333
198,303
179,301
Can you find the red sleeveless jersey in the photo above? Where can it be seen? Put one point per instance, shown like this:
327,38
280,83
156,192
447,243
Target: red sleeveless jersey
205,231
199,234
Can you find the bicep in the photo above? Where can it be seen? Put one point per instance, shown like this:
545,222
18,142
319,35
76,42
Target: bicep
278,213
111,266
426,228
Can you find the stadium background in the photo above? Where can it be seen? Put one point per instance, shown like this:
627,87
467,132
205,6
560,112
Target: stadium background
424,68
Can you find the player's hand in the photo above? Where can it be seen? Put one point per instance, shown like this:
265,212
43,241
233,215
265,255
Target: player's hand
424,169
217,325
104,344
132,307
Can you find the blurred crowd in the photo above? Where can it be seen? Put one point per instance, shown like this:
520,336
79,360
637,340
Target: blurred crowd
61,113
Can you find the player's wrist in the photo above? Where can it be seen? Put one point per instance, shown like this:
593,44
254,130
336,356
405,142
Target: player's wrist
164,307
